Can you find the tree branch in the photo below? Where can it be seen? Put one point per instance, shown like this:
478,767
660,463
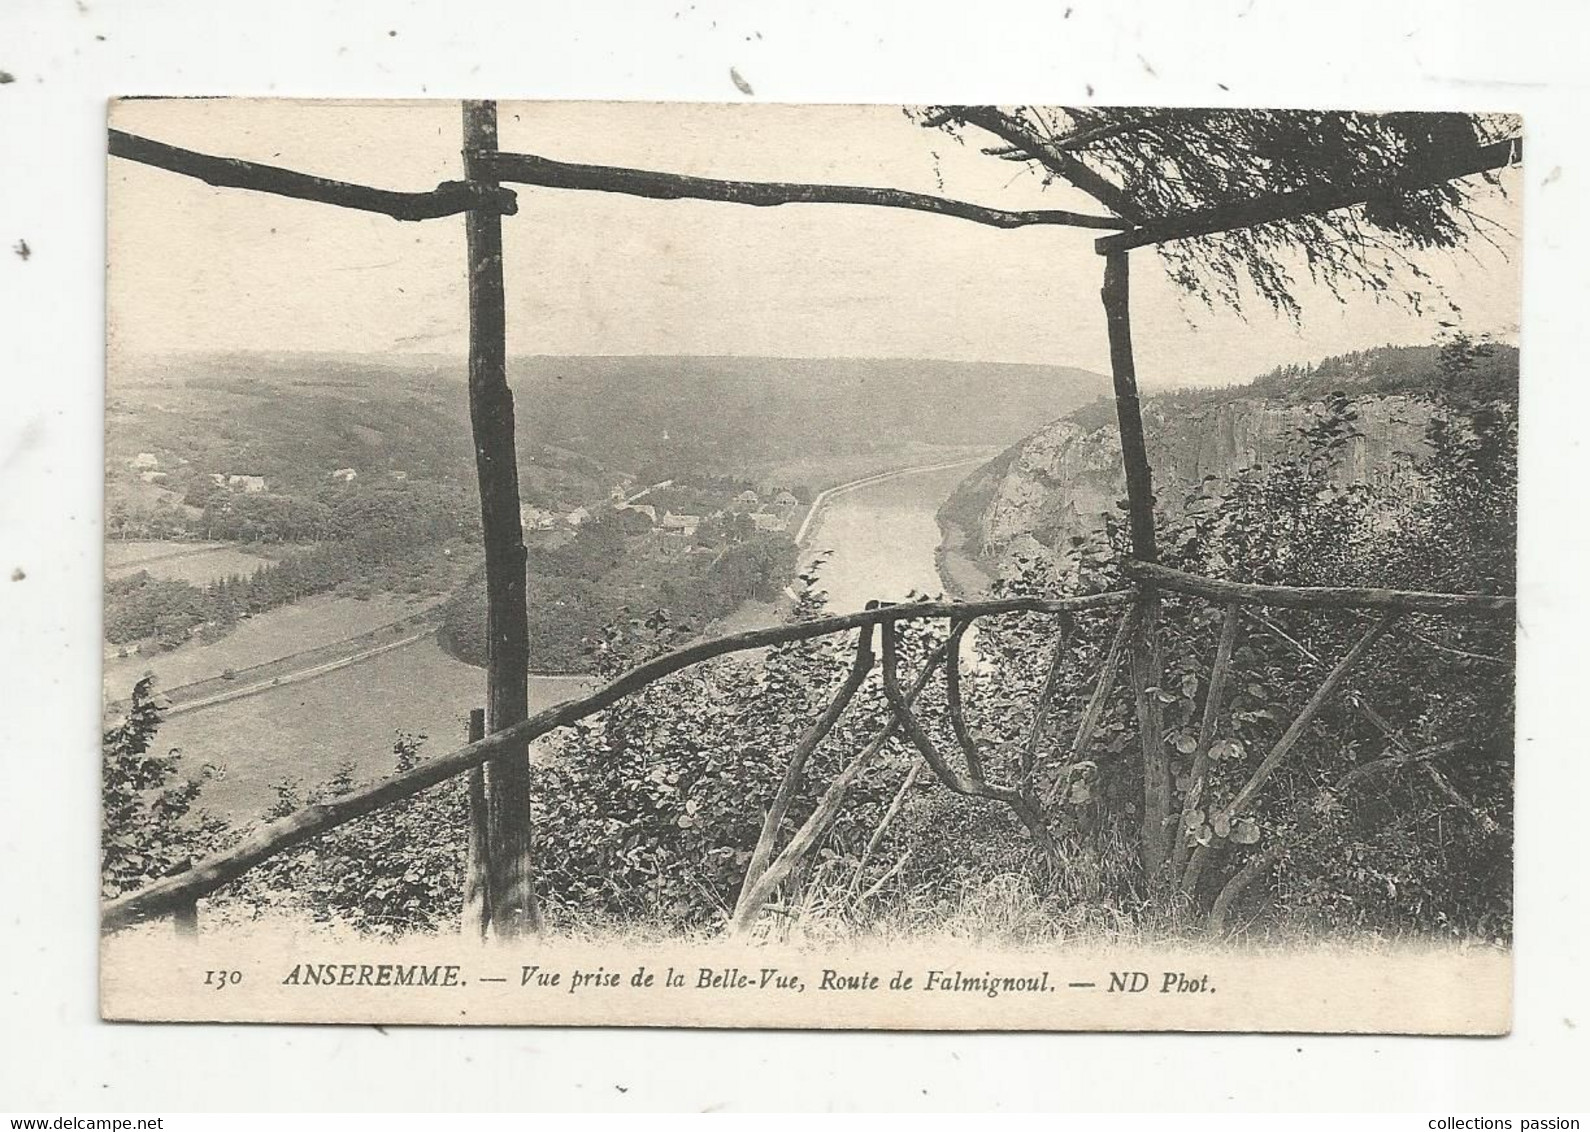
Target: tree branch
1108,673
1214,697
808,743
1058,162
447,199
1305,717
826,812
1260,863
1311,201
530,169
1317,597
974,787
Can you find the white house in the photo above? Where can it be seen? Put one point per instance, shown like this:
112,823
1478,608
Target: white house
346,475
537,518
251,485
683,524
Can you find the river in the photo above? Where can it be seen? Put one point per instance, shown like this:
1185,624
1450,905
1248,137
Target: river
882,536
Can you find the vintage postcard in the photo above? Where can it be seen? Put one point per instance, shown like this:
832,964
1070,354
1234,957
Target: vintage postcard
903,567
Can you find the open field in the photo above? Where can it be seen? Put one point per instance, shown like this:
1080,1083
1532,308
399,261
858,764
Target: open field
195,562
286,630
307,730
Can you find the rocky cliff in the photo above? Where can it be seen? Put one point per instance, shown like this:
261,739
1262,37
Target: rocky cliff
1060,481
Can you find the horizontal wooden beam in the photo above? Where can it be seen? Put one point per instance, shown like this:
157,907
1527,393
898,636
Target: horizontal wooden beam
447,199
1302,202
165,896
1318,597
529,169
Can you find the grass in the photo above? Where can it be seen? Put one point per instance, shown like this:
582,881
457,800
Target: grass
283,631
307,731
195,563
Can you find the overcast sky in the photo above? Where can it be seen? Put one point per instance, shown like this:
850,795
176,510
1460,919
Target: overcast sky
198,268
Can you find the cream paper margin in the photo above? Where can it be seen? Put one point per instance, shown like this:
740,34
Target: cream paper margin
149,975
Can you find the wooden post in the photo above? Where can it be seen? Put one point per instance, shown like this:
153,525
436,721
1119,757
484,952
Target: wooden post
1128,412
185,916
511,883
186,919
1147,675
477,866
1147,663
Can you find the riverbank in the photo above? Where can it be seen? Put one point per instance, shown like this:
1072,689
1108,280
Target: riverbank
962,575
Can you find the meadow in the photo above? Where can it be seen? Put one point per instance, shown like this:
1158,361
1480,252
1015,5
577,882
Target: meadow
195,563
283,631
307,731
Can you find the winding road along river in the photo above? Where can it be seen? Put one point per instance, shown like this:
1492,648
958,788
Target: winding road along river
882,536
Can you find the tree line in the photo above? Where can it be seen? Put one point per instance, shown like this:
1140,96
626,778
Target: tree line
389,539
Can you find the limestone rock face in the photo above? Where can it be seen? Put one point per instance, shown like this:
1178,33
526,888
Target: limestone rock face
1060,480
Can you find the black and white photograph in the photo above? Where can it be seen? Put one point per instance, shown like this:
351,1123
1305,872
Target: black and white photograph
813,566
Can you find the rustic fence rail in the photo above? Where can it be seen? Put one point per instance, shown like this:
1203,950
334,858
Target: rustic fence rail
175,894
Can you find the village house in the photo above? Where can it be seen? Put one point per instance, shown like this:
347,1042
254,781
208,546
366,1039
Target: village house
786,499
537,518
684,525
747,500
250,485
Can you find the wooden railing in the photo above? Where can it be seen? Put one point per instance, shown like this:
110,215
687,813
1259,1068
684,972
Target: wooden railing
176,895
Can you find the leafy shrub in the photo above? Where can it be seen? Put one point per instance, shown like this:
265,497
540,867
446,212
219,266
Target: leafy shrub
149,827
396,871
